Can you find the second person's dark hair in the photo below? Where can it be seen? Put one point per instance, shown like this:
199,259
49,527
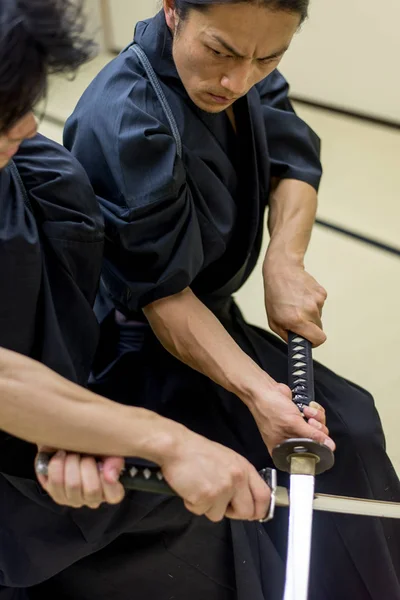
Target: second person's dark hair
183,7
37,38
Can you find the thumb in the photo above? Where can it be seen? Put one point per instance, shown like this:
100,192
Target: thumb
112,468
318,436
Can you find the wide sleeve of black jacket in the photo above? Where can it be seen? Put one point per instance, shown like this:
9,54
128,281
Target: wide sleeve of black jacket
154,235
294,147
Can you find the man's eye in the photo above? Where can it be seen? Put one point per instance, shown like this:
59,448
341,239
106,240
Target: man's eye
266,61
217,53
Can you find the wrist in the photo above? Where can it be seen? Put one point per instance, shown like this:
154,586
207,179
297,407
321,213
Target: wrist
279,257
160,439
252,386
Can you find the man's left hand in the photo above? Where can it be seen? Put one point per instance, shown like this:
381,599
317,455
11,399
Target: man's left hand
294,301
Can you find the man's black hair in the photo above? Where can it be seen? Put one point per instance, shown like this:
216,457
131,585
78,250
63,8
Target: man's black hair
37,38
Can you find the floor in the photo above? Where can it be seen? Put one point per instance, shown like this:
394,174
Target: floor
360,192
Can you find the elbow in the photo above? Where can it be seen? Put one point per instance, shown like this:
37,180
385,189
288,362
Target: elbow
164,306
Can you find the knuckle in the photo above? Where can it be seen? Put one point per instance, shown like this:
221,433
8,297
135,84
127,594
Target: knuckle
322,292
291,422
238,475
74,485
57,499
206,492
215,518
94,498
114,500
94,491
295,320
244,514
311,307
284,389
194,508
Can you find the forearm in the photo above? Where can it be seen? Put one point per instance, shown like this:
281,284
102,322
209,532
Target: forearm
292,210
41,407
192,333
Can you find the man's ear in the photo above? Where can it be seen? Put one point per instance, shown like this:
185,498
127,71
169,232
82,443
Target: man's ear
170,14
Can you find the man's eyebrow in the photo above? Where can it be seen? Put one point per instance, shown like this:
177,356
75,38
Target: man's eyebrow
239,55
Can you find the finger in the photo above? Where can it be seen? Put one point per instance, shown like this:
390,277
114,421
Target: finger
113,491
281,332
319,426
276,328
199,508
315,414
304,430
261,496
311,332
56,478
92,489
317,406
321,296
242,505
112,468
219,508
73,482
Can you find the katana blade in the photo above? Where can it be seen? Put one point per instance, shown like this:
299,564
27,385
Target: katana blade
299,541
345,505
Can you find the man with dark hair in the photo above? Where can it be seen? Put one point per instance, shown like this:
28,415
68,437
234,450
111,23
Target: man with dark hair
30,51
51,244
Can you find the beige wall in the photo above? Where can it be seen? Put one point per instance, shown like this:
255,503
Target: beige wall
348,55
120,18
94,11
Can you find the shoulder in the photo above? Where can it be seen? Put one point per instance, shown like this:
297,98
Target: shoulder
54,178
120,134
41,160
120,93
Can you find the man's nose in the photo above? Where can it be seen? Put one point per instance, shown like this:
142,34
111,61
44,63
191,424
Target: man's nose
238,80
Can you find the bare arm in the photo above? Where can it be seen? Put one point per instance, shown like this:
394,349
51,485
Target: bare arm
191,332
292,211
294,299
42,407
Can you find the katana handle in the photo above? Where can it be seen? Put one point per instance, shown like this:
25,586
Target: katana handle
301,382
142,478
145,479
301,370
149,478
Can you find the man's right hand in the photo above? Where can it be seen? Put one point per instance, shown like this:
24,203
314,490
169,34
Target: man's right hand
279,419
215,481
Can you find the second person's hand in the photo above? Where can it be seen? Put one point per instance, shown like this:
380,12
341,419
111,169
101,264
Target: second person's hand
76,481
215,481
279,419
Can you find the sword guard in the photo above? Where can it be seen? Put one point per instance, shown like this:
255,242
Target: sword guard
283,454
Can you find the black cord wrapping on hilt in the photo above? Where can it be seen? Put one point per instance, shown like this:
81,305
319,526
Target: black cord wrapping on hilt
301,370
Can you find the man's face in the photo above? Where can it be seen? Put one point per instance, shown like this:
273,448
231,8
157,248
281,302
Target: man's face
221,53
11,139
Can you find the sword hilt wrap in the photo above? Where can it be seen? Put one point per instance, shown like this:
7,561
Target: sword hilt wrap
306,452
147,477
301,372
